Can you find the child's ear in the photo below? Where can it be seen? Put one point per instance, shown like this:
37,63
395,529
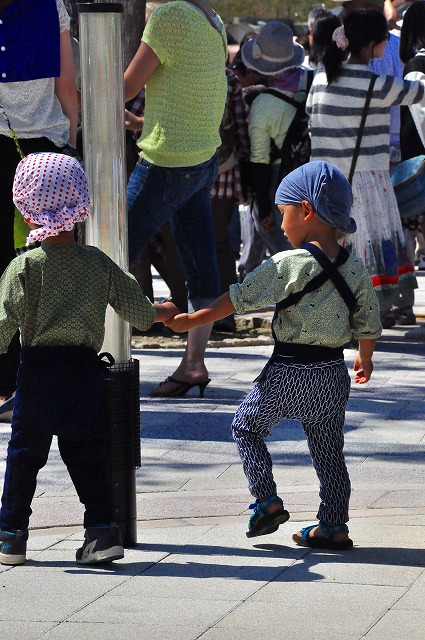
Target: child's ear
307,209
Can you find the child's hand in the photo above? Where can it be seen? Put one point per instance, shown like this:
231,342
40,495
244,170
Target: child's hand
165,311
179,323
363,370
220,308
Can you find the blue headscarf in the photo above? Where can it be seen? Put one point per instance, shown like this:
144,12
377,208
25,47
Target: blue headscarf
327,190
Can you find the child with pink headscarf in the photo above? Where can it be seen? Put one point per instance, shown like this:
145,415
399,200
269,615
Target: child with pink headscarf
57,295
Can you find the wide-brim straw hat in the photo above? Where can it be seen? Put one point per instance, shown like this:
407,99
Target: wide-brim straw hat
273,50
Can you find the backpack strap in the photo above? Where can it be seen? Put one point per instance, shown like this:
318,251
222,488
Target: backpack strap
330,271
305,88
299,106
285,98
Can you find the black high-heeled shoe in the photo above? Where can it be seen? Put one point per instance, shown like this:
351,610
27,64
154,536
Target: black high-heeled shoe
181,389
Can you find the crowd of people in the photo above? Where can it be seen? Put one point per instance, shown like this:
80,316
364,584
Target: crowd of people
297,149
242,198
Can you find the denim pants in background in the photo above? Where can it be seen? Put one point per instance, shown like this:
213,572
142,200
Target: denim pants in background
256,241
60,392
182,196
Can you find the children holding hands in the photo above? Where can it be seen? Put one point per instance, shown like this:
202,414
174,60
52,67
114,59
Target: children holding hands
324,298
57,296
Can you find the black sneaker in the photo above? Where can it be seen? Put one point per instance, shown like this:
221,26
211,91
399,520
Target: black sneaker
101,545
13,547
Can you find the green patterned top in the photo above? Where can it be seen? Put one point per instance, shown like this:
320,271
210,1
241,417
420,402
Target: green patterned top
57,295
321,317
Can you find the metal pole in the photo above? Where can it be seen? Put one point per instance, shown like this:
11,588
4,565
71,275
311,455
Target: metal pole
102,85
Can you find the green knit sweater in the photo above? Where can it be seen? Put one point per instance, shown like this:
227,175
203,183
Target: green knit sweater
185,96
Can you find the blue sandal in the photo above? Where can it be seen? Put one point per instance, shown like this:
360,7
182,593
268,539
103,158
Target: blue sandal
326,541
261,522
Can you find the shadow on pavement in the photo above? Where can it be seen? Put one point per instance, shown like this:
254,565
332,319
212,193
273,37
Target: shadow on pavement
300,564
302,568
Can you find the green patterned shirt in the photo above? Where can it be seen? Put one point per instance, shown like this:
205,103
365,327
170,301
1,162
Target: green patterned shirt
57,295
321,317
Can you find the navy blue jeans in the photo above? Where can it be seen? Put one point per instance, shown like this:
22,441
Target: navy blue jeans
182,196
60,392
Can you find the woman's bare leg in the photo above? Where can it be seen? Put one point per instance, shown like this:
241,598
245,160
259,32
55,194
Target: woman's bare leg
192,368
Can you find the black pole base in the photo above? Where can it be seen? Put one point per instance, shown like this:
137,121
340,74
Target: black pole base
123,443
124,496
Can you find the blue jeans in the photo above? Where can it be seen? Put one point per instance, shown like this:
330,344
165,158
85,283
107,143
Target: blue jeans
255,239
182,196
60,392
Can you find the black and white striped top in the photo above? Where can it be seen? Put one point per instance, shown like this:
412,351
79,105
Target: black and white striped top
336,109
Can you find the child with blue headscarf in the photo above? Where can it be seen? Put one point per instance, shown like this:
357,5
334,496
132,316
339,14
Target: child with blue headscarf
324,298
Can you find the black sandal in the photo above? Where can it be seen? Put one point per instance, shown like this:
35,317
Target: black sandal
326,541
181,390
261,522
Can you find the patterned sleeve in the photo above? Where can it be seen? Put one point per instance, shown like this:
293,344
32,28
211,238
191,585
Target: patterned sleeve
366,321
137,104
128,299
11,303
64,19
262,287
309,101
417,111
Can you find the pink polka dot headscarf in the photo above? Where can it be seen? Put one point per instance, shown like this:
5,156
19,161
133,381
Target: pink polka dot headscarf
51,190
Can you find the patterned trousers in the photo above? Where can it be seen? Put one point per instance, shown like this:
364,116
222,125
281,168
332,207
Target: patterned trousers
316,395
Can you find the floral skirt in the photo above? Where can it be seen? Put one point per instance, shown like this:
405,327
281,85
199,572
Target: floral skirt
379,239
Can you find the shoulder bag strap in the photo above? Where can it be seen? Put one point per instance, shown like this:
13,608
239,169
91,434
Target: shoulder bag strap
361,128
211,21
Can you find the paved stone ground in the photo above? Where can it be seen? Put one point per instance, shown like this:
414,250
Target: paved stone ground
194,573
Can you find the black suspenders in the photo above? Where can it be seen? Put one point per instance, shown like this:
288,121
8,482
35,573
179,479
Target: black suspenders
330,271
